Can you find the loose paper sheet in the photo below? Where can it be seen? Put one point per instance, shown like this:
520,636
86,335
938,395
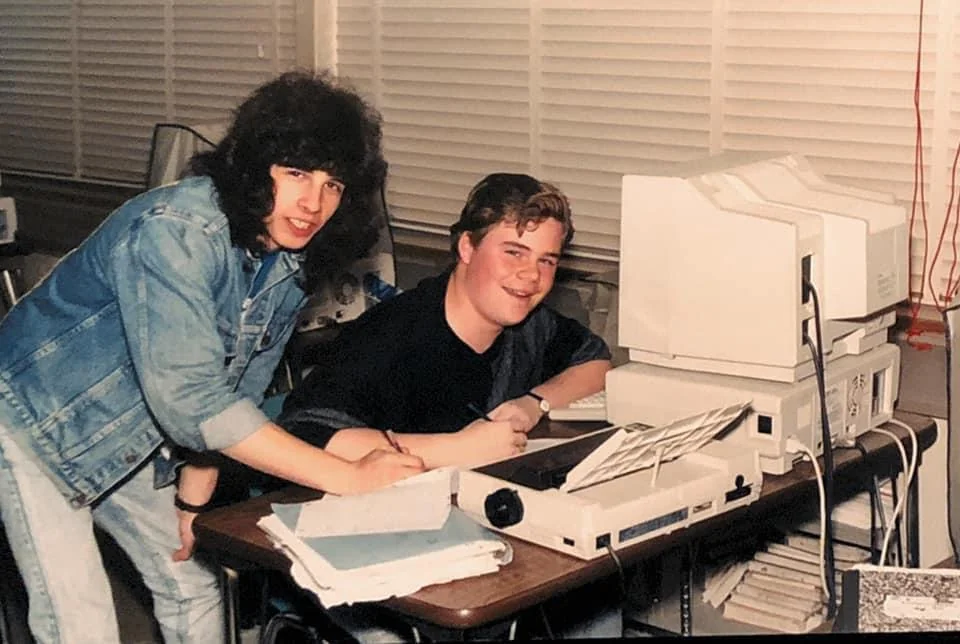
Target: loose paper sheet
420,502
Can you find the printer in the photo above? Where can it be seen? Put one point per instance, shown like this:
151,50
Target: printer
617,486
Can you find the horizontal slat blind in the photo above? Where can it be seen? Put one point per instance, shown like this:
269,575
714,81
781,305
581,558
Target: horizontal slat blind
36,85
245,41
120,64
833,81
452,82
574,92
944,264
624,86
83,82
582,91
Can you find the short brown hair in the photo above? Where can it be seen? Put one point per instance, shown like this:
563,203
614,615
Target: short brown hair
513,197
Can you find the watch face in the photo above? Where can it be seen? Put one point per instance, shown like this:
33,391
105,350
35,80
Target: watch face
541,402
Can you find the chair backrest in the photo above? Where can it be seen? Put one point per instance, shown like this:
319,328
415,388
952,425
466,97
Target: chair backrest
951,319
11,288
172,146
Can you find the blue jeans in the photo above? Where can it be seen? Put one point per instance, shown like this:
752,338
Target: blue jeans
57,554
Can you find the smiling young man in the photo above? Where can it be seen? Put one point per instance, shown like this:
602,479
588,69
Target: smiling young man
159,334
474,341
303,202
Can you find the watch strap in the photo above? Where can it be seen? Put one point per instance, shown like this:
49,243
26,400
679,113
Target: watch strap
541,401
180,504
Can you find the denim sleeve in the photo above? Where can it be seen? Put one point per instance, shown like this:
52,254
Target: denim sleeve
165,274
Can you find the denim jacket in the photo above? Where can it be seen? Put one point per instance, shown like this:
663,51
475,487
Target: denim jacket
145,334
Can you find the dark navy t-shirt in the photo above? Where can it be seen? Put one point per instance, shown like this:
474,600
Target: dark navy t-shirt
400,366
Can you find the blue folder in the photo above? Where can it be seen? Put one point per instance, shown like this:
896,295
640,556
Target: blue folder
355,551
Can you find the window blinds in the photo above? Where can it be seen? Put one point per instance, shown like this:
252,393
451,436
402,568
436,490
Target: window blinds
835,81
37,85
580,92
83,82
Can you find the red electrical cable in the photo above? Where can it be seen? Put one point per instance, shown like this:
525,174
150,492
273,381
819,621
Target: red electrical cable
918,181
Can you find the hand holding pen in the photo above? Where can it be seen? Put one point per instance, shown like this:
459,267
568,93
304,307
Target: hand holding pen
517,439
394,443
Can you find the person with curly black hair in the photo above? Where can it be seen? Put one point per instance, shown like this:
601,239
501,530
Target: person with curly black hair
158,335
274,127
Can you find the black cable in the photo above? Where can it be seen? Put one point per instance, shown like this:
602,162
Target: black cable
620,572
877,514
818,366
895,499
876,505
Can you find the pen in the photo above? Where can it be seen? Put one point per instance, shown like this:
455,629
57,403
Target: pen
479,412
392,440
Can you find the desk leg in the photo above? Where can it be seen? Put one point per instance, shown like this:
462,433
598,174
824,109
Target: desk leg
231,604
686,614
913,520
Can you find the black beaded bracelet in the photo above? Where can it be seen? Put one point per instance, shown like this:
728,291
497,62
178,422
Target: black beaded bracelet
180,504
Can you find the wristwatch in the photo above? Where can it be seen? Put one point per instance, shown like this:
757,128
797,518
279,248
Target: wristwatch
542,402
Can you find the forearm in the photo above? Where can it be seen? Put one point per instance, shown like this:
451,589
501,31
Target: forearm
272,450
197,483
436,450
575,382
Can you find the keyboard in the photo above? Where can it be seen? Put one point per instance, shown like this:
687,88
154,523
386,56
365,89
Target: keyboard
592,407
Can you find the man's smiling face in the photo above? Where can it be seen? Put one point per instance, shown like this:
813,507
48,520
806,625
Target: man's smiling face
303,201
509,272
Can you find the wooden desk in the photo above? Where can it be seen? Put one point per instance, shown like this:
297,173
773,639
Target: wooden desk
536,573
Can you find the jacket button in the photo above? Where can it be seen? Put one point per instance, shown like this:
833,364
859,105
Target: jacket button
130,459
266,340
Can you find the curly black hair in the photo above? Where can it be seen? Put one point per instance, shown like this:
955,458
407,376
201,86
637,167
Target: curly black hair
302,120
518,198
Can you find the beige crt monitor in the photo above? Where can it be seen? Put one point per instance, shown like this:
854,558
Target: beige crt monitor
713,259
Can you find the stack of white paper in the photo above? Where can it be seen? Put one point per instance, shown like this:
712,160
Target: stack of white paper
388,543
